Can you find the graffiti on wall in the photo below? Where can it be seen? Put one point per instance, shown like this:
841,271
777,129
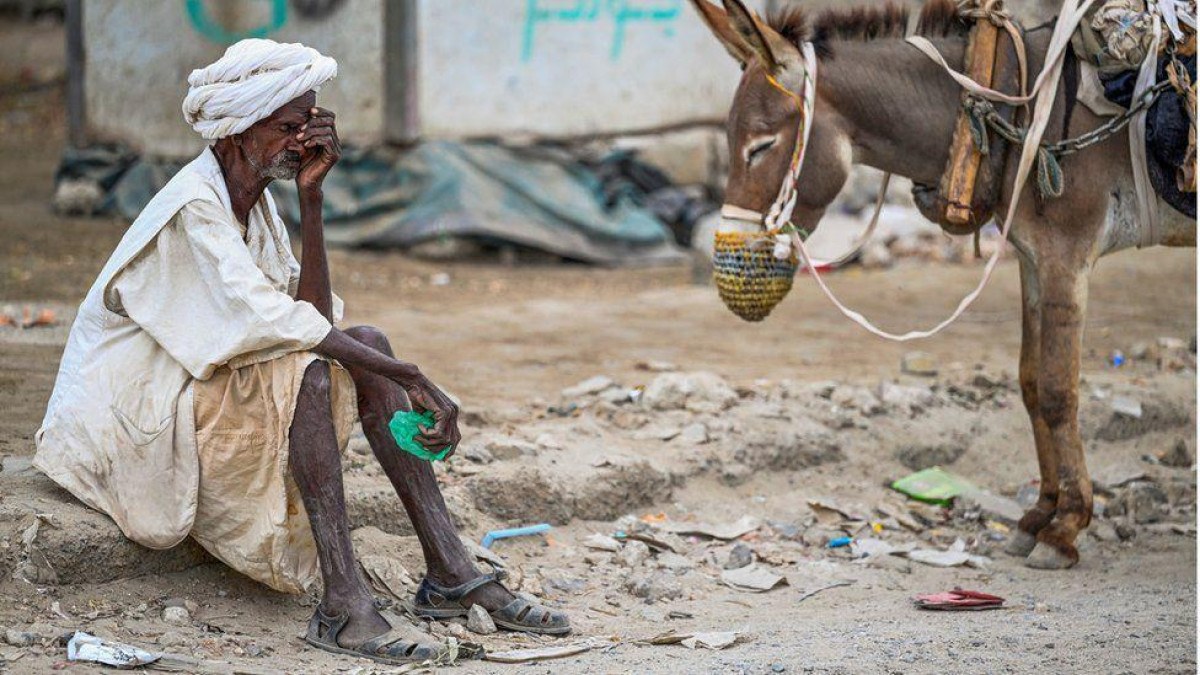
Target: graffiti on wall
622,14
211,29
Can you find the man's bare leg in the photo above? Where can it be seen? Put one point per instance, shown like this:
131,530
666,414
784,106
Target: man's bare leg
447,560
317,468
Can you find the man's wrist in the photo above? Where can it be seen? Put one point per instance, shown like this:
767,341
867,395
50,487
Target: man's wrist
409,373
313,194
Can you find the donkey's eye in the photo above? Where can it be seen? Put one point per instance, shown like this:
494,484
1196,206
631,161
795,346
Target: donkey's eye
756,149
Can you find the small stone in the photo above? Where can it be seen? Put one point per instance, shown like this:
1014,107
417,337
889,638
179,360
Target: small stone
1179,456
739,557
673,391
185,603
786,530
254,651
1147,501
915,399
693,434
602,543
856,398
675,563
171,639
592,385
178,616
20,638
919,363
509,448
476,453
1127,407
479,621
1141,351
457,630
633,555
1103,530
654,587
1125,530
548,441
1171,344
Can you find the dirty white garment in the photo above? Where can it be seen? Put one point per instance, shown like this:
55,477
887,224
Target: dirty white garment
186,292
249,513
253,79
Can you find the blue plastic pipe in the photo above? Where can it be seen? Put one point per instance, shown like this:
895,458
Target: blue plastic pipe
491,537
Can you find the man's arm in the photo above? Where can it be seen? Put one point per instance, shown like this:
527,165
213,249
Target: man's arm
319,135
423,394
314,285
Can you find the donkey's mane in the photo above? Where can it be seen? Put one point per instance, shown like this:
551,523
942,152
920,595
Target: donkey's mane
938,18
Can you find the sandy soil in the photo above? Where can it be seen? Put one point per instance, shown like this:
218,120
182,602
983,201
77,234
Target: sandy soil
506,340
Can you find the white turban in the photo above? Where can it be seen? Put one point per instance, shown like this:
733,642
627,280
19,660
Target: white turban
252,80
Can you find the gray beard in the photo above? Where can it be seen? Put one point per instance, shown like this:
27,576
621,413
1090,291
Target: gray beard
279,168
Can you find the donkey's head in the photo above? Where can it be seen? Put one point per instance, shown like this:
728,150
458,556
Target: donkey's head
765,122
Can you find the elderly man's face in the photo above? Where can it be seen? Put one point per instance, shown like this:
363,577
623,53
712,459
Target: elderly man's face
271,146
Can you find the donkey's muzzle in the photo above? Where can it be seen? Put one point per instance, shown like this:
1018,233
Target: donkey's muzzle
750,279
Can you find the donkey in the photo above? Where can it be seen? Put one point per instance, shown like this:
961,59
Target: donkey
882,103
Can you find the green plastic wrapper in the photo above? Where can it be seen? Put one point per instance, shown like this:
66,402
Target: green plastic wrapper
934,486
406,426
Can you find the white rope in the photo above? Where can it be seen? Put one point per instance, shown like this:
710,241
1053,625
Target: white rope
1143,188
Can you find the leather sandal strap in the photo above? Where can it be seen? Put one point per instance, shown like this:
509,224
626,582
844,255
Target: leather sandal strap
456,593
324,627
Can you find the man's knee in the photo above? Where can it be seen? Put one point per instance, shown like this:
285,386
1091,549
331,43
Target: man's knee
317,381
371,337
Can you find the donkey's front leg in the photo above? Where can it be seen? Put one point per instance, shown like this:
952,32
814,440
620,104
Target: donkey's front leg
1063,288
1038,517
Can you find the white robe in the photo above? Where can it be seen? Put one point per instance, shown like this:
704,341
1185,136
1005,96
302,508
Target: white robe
120,431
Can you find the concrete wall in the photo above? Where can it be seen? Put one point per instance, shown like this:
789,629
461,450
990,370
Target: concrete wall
557,68
139,55
567,67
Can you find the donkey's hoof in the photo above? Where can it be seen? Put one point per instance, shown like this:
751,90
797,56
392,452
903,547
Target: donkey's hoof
1020,544
1047,557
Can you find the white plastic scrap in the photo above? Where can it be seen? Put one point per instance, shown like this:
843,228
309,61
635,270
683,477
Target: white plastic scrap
86,647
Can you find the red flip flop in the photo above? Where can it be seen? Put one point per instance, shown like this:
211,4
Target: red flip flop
959,600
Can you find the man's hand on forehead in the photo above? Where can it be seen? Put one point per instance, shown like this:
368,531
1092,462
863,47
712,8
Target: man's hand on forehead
319,127
322,148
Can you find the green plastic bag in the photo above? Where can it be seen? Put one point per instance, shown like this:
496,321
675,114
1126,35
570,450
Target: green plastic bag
934,486
406,426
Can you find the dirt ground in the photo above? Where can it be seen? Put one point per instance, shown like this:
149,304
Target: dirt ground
810,417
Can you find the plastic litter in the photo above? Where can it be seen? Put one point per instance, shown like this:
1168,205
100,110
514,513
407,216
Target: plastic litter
406,425
840,542
933,486
491,537
959,600
87,647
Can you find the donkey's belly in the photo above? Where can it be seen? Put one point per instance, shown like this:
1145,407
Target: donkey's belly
1123,229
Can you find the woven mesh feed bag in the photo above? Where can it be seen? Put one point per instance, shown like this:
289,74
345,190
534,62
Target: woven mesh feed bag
750,279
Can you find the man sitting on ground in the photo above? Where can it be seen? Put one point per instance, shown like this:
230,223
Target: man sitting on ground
205,390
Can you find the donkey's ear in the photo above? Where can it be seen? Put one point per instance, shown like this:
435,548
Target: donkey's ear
775,52
718,22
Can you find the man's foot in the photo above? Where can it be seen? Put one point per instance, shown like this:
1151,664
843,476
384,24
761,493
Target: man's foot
395,645
437,601
362,624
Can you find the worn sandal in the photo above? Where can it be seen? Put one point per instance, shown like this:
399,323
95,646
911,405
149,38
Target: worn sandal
391,648
439,602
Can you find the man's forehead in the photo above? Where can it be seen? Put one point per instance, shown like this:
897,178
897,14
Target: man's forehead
296,109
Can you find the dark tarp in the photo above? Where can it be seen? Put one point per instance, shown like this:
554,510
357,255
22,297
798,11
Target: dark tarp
389,197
